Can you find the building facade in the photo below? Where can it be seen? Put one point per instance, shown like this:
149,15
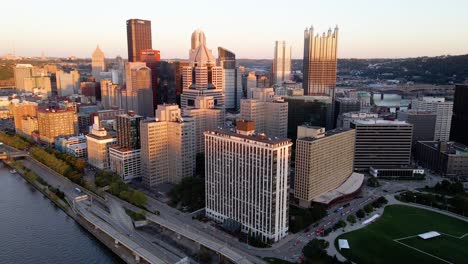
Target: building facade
270,113
281,70
98,64
247,181
205,117
232,79
68,83
447,158
167,147
98,142
443,110
459,127
139,93
382,143
54,123
138,38
424,124
22,110
320,60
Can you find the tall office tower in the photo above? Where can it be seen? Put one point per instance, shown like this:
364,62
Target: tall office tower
68,83
139,94
98,63
98,142
382,143
179,80
270,113
205,117
345,105
109,94
125,156
138,38
251,84
424,124
166,83
281,69
202,77
38,85
151,58
54,123
22,71
247,180
21,110
232,79
324,166
443,111
311,110
320,59
167,147
459,129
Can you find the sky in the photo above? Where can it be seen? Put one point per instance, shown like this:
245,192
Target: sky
368,28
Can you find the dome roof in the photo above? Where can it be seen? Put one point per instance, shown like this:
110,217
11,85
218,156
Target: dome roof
198,38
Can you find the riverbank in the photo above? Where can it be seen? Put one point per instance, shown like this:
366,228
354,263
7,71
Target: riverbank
124,254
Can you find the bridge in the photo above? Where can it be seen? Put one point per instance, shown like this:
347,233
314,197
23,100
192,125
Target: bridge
12,154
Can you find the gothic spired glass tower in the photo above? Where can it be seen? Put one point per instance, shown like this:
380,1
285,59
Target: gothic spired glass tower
138,38
281,63
320,57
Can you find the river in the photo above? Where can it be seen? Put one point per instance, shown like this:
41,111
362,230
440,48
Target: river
33,230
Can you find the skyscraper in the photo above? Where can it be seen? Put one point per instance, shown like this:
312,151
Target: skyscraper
138,38
459,130
98,142
270,113
232,79
250,83
247,180
151,58
139,94
320,59
443,110
281,63
167,147
202,77
98,63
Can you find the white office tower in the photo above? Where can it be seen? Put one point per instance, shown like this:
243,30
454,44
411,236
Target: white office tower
443,111
247,180
232,79
251,83
205,117
98,142
269,112
202,77
98,63
22,71
138,94
281,68
110,94
68,83
167,147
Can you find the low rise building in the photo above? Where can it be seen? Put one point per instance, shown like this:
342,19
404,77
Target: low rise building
98,142
447,158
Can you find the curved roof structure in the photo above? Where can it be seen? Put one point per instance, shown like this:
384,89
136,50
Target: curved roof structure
202,56
98,53
198,38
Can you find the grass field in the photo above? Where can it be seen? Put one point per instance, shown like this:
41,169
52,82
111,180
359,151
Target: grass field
376,243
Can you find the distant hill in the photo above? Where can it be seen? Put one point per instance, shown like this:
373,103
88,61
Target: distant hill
436,70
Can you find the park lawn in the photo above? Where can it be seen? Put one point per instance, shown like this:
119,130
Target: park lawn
445,247
374,243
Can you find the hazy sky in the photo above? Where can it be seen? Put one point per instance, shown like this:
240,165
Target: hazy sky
368,28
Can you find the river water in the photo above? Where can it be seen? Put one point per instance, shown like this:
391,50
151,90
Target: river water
33,230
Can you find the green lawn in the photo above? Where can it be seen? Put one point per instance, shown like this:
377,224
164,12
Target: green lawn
374,244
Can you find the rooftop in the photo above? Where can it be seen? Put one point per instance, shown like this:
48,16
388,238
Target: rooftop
452,148
328,133
379,122
255,137
351,185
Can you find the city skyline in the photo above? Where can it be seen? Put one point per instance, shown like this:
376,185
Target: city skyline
365,30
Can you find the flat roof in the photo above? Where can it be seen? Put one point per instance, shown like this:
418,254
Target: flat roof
379,122
255,137
343,243
328,133
352,184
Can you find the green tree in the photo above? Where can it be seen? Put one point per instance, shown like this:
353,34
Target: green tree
368,208
360,214
351,219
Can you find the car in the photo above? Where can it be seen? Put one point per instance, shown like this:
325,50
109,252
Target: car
78,190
